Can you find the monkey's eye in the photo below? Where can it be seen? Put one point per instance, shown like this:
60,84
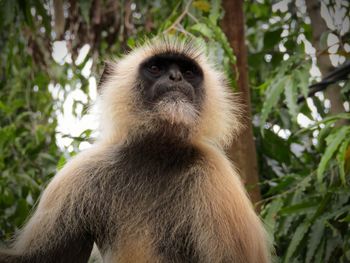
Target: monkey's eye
154,69
189,74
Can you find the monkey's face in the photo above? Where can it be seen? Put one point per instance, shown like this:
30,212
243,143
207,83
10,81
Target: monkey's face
171,77
167,86
171,86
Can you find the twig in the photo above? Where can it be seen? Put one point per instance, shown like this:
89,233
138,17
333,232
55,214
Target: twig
181,29
179,19
193,17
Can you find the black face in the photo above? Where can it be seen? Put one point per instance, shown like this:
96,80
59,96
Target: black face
171,77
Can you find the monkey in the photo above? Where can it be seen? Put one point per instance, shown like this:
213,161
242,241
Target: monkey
156,186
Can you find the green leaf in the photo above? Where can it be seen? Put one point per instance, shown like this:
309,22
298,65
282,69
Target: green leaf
214,11
22,210
330,119
302,76
131,43
85,6
43,12
336,214
271,215
203,29
7,12
48,157
321,138
346,87
202,5
323,40
272,96
343,149
315,238
272,38
332,146
291,93
297,238
25,8
222,39
171,18
275,147
320,252
301,208
61,162
332,243
283,183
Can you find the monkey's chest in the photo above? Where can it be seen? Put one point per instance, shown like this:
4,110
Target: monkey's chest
155,191
157,170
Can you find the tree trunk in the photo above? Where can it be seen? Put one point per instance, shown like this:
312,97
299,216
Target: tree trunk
242,150
58,18
319,27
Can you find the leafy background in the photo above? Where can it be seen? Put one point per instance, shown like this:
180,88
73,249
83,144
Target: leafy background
302,148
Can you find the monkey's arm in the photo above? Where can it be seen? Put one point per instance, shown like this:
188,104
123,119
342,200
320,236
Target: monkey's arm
59,230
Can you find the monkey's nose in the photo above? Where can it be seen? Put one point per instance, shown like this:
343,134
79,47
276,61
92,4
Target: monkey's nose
175,75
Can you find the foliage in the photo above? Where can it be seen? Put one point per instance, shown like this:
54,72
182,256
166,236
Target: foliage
304,169
28,152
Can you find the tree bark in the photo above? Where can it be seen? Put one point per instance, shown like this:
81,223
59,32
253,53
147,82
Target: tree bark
242,151
58,18
319,27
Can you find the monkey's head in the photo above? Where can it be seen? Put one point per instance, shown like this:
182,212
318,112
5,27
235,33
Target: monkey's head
168,87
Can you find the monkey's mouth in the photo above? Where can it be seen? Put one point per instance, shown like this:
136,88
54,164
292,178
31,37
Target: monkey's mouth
173,93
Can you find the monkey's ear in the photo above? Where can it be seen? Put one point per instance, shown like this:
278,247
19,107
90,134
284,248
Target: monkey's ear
107,71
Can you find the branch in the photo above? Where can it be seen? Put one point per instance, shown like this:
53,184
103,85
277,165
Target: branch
179,19
340,73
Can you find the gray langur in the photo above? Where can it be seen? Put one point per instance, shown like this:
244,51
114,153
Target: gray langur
156,186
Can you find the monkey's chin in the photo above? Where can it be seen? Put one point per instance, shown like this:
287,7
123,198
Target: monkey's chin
177,111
